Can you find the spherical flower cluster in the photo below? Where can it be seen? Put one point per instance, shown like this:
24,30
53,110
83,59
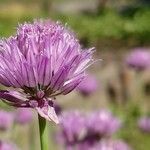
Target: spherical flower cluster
103,123
6,120
43,60
144,124
23,116
88,86
139,59
80,130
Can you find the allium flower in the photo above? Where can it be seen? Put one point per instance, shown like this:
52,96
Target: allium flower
7,146
72,127
103,123
144,124
139,59
84,132
88,86
23,116
42,61
6,120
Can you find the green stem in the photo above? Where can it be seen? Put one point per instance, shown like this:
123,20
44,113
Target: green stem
43,133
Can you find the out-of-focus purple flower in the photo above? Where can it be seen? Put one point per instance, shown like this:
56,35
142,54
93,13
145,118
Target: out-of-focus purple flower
82,132
7,146
144,124
111,145
88,86
42,61
139,59
23,116
72,127
103,123
6,120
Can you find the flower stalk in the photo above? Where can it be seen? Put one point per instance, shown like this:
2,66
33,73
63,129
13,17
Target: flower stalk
43,133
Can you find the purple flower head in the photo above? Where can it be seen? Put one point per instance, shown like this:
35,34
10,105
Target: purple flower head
88,86
23,116
103,123
139,59
6,120
42,61
144,124
7,146
72,127
111,145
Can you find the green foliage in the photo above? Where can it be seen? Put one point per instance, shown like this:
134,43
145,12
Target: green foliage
110,25
92,29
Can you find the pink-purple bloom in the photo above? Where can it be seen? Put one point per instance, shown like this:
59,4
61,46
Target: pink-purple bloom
103,123
139,59
88,86
79,130
6,120
23,116
144,124
43,60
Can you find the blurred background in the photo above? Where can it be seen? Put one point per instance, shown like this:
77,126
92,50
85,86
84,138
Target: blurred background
118,82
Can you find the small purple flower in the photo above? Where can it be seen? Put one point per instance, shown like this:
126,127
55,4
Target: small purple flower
6,120
144,124
42,61
83,131
88,86
23,116
72,127
139,59
7,146
103,123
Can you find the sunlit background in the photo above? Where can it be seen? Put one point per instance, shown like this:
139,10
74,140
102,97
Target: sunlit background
118,82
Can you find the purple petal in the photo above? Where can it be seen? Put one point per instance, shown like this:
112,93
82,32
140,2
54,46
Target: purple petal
59,78
44,70
72,84
10,96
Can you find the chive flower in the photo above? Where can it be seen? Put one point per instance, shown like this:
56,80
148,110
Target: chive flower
83,131
139,59
43,60
103,123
